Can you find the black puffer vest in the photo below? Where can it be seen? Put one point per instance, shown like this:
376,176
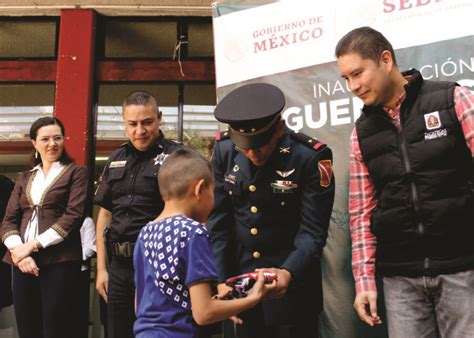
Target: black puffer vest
422,173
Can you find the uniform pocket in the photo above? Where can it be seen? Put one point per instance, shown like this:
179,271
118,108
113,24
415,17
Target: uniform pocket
115,174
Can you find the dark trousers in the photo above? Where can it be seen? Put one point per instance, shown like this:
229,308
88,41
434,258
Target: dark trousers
121,298
43,304
254,326
81,316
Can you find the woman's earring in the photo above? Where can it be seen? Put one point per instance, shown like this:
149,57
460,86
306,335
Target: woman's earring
36,154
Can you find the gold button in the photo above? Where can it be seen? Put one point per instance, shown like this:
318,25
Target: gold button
253,210
252,188
256,254
254,231
230,192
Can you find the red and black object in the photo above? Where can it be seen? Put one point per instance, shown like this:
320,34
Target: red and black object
241,285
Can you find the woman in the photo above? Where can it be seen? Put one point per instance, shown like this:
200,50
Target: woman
41,231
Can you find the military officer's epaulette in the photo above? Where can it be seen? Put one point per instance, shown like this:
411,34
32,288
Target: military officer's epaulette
174,141
222,135
309,141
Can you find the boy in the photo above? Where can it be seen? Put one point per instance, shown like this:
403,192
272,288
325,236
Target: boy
173,260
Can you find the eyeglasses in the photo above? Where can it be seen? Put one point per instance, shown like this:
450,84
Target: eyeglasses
47,139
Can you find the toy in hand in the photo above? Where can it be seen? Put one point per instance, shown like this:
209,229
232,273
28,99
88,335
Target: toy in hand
241,285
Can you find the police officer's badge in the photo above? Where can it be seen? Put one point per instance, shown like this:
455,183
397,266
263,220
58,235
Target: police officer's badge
325,172
160,158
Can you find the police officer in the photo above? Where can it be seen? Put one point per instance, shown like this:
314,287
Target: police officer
274,191
129,197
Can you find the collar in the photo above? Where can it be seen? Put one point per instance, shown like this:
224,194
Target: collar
55,165
246,166
412,89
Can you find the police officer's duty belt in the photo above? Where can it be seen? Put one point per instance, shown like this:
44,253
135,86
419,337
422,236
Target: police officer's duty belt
122,249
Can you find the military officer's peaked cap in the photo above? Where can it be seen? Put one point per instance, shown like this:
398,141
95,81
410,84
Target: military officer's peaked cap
252,112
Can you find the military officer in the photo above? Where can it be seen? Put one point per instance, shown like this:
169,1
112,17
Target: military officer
274,191
129,197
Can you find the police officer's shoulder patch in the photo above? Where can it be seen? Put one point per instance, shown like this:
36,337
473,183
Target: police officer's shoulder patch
309,141
222,135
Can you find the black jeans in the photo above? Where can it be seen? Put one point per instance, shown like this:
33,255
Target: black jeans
121,298
43,304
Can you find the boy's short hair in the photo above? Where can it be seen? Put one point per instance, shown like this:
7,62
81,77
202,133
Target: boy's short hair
366,42
180,170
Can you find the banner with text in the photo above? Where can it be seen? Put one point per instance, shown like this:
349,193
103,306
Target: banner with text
291,45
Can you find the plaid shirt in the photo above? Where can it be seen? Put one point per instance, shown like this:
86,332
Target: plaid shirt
362,198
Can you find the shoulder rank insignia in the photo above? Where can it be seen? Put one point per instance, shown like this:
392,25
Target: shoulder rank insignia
308,141
222,135
325,172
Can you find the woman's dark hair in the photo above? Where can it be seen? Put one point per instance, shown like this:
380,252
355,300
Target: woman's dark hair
43,122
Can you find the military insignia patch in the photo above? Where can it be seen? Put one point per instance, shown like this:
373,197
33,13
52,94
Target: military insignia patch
285,174
230,179
117,164
160,158
325,172
285,150
283,187
432,120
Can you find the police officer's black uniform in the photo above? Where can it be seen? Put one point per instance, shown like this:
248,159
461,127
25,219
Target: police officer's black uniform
129,190
274,215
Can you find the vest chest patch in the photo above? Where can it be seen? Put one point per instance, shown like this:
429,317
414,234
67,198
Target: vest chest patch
432,120
436,134
433,125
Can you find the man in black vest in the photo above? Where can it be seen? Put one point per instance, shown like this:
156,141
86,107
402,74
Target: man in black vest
274,192
411,197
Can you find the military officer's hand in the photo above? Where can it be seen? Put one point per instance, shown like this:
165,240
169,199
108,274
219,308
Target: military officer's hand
284,278
102,283
28,265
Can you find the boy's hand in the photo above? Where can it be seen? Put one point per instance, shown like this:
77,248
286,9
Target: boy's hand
260,289
223,291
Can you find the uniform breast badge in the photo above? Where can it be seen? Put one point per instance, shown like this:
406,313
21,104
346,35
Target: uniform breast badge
160,158
230,179
283,187
285,174
117,164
